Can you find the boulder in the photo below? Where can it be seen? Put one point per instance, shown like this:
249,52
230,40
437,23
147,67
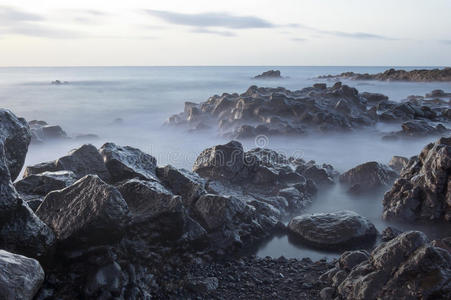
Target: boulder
398,162
89,212
128,162
368,176
15,136
406,267
20,276
44,183
333,230
82,161
216,211
423,191
271,74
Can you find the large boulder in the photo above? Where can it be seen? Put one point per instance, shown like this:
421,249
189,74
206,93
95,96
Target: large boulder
44,183
398,162
128,162
406,267
368,176
20,276
89,212
20,230
82,161
333,230
15,136
423,191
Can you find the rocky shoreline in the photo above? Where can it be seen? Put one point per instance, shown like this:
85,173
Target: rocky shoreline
422,75
111,223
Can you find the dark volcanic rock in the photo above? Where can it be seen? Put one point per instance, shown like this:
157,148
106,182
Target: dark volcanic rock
278,111
423,190
271,74
418,128
368,176
82,161
20,276
399,75
44,183
15,136
128,162
406,267
333,230
89,212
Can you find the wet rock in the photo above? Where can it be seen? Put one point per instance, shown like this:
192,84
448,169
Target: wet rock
20,276
374,98
418,128
389,233
108,278
15,136
406,267
333,230
44,183
271,74
82,161
398,162
181,182
128,162
421,75
423,191
203,285
89,212
368,177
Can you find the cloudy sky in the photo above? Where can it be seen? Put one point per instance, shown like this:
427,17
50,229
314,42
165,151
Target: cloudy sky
232,32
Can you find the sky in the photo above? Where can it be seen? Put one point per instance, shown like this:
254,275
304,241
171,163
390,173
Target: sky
219,32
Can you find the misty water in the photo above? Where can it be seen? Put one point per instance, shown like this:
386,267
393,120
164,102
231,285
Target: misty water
144,97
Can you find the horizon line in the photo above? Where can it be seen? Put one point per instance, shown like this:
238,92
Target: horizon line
232,66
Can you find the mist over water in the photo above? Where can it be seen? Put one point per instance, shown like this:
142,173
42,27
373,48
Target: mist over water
144,97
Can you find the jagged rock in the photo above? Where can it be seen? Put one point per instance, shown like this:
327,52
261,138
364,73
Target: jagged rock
203,285
406,267
182,182
271,74
82,161
153,206
15,136
20,230
128,162
423,191
389,233
106,280
368,176
422,75
333,230
418,128
89,212
20,276
44,183
398,162
374,97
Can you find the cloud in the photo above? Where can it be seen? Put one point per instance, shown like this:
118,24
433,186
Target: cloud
357,35
10,15
208,31
211,19
299,39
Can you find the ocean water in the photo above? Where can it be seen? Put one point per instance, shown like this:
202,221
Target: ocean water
144,97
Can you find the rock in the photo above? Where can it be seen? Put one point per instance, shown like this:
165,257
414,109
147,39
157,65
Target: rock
215,211
327,293
389,233
44,183
107,278
406,267
182,182
20,276
128,162
333,230
59,82
374,97
82,161
423,191
89,212
350,259
221,162
398,162
368,177
422,75
203,285
271,74
318,175
15,136
418,128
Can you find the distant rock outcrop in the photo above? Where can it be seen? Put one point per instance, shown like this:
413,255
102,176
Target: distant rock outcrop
271,74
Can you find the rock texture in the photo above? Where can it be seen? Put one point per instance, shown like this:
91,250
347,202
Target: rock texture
333,230
127,162
423,191
43,183
15,136
421,75
397,163
90,212
406,267
271,74
368,176
20,276
82,161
